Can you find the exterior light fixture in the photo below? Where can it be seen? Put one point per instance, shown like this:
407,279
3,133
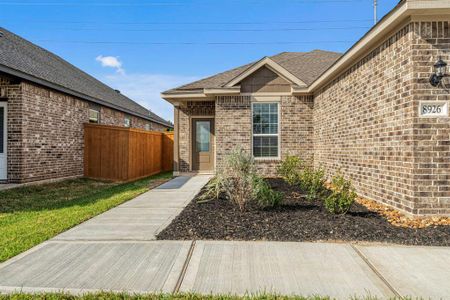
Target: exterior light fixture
440,71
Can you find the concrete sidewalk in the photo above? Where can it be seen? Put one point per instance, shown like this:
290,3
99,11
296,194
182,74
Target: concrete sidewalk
222,267
116,251
141,218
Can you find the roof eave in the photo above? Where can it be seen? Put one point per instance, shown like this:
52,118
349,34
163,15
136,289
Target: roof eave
396,17
65,90
207,94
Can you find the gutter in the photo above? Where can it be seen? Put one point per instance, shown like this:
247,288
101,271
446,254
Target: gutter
65,90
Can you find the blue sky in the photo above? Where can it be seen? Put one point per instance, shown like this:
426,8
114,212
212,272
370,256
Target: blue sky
145,47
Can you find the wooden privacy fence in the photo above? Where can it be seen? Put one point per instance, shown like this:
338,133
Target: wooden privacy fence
124,154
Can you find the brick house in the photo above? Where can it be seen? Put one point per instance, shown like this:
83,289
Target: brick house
371,112
44,102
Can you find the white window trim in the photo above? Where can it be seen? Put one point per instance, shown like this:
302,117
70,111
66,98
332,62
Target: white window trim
125,122
268,134
98,116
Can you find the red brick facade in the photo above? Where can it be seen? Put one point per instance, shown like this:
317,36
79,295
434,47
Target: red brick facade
45,131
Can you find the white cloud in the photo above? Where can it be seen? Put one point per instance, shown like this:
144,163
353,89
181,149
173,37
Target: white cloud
146,88
111,62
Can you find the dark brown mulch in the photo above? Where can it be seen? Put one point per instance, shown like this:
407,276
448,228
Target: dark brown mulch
295,220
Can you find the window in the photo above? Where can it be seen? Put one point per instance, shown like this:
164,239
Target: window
148,127
94,115
127,121
265,130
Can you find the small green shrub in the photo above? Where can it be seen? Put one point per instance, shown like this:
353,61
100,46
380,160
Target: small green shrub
342,196
312,181
264,194
289,169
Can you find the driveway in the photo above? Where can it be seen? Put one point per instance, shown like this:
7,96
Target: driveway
117,251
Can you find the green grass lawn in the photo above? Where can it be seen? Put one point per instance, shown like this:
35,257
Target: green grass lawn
32,214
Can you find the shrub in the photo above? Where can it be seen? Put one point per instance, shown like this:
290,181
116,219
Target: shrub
289,169
239,183
312,181
213,189
264,194
239,171
342,196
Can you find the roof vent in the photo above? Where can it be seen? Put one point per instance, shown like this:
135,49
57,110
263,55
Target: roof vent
117,91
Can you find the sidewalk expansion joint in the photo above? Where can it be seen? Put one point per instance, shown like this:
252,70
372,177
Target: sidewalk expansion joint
374,269
184,269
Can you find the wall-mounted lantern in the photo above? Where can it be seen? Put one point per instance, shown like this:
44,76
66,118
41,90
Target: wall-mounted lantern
440,71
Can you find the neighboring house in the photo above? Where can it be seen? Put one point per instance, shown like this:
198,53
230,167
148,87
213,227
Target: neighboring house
370,113
44,102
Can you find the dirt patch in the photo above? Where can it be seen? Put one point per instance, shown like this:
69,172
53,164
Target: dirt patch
296,220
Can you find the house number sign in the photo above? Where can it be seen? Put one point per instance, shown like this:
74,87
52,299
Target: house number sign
433,109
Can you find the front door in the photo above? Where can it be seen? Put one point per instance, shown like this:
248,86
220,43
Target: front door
3,141
203,144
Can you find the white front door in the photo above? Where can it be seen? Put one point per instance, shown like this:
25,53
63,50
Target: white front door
3,141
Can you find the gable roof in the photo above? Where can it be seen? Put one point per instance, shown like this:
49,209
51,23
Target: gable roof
270,64
23,59
305,66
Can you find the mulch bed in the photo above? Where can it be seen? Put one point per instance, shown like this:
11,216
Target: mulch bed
295,220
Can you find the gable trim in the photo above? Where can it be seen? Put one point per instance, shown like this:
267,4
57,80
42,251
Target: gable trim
270,64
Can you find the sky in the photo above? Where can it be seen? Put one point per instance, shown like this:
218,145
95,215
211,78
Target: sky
145,47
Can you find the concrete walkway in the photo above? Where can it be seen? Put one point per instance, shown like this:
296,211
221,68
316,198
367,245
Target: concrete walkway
116,251
141,218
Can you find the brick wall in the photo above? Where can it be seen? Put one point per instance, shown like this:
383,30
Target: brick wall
153,126
431,173
52,134
366,123
233,126
112,117
296,129
15,141
45,132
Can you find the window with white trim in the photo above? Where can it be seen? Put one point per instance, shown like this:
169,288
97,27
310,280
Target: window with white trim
94,115
127,121
265,130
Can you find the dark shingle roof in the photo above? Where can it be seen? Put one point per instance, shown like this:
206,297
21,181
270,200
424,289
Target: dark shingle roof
22,58
306,66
